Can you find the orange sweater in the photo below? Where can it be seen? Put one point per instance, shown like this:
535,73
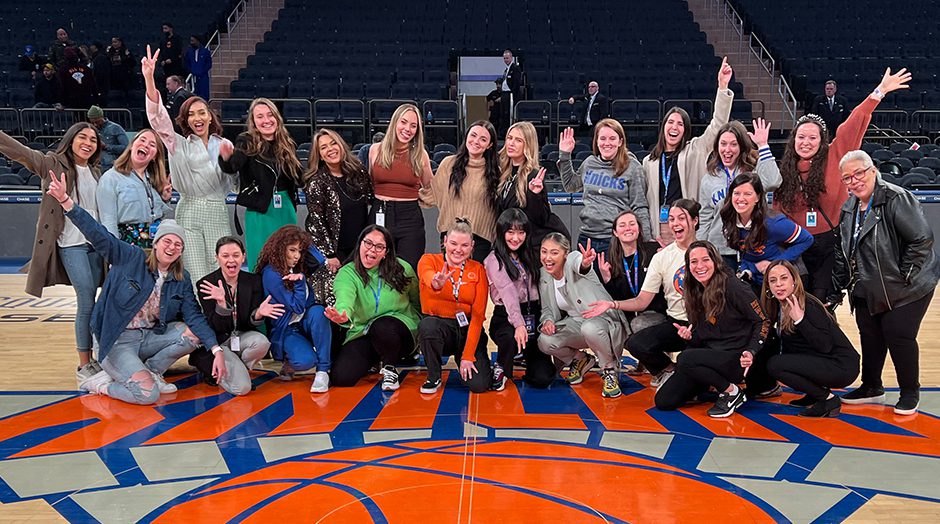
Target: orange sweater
471,298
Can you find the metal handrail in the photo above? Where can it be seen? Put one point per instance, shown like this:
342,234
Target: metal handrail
214,42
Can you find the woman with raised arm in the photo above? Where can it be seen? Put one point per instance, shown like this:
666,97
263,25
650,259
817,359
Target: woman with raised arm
265,161
61,253
377,301
676,165
400,168
811,193
134,195
735,152
193,155
566,286
611,180
522,183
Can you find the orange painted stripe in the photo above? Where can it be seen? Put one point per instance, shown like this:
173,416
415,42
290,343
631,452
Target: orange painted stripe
320,412
504,409
626,413
315,503
292,469
221,507
408,408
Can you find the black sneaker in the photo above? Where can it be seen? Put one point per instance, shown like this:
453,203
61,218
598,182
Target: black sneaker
907,405
770,393
803,402
431,386
823,408
726,404
864,395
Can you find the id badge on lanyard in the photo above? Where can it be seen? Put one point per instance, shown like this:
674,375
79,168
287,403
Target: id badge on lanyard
234,344
380,215
810,219
277,201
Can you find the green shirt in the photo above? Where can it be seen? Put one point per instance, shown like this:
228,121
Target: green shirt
365,303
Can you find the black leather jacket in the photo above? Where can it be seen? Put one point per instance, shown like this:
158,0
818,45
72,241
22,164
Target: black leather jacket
895,257
257,178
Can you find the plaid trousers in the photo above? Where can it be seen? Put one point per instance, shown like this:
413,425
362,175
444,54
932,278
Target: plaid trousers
205,222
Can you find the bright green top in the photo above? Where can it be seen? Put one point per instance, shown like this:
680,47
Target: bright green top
359,300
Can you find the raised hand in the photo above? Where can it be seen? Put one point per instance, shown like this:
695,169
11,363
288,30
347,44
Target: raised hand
148,63
293,277
795,311
213,292
724,74
57,187
761,134
604,267
566,140
440,278
269,310
167,193
587,255
596,309
894,82
538,182
226,148
685,332
337,317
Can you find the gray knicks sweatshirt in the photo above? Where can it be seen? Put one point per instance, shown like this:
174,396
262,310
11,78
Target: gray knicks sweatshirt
605,194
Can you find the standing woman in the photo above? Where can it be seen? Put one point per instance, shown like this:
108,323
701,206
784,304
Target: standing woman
338,192
815,355
465,187
377,300
265,161
611,179
133,195
453,291
513,275
61,253
886,262
727,328
810,193
400,167
301,336
522,183
567,286
757,234
194,165
676,165
735,152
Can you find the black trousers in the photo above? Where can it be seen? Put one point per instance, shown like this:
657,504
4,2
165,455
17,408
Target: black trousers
439,336
540,370
895,331
758,378
820,259
649,346
697,369
406,223
387,341
814,375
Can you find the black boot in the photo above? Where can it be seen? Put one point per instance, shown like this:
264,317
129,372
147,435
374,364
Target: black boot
823,408
803,402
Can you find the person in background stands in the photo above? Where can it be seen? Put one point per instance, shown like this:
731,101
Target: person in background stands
596,106
101,67
510,88
199,62
46,94
123,68
176,94
113,137
31,62
171,49
76,81
59,45
830,107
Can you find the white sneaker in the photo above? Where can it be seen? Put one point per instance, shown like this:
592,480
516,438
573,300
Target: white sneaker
321,382
659,379
389,378
96,383
86,371
164,386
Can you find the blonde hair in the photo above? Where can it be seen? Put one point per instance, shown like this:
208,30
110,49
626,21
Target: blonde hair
285,155
622,158
531,163
156,169
389,144
176,267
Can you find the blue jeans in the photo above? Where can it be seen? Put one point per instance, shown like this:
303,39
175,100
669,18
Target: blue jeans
139,350
83,266
306,344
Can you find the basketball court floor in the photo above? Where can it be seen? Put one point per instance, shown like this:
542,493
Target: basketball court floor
563,454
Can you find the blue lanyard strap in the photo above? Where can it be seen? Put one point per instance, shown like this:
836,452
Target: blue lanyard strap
666,173
859,221
634,282
730,174
377,293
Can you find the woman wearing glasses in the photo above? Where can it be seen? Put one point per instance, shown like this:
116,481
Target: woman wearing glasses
887,264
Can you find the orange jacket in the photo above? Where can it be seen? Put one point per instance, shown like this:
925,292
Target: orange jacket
471,298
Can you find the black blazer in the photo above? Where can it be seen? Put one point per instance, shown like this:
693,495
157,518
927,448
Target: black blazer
537,209
514,80
834,117
599,111
174,101
817,334
248,296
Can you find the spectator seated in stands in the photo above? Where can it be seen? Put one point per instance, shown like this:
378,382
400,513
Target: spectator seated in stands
31,62
59,45
47,89
113,136
77,81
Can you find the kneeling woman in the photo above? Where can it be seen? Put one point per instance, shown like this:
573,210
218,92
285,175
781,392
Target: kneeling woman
727,328
453,296
302,336
567,286
377,301
815,355
141,317
513,276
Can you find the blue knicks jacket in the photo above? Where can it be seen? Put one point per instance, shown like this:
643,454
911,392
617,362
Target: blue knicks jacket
128,286
296,301
785,240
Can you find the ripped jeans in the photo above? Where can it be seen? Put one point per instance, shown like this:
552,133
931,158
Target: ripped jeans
136,353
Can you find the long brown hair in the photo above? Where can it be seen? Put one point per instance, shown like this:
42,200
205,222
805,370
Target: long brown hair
65,145
390,268
182,120
621,160
772,306
615,251
458,172
282,148
355,174
757,236
747,159
660,147
705,303
531,163
792,183
389,144
156,168
274,250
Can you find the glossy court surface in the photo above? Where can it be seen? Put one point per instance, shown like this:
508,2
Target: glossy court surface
358,454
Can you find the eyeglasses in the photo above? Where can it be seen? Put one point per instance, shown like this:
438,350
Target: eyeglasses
856,175
378,248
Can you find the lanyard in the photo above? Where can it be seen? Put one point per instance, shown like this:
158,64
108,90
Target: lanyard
859,223
231,300
147,191
730,174
634,282
666,174
525,281
510,183
377,294
456,285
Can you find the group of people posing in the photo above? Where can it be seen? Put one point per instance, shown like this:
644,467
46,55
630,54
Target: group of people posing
680,253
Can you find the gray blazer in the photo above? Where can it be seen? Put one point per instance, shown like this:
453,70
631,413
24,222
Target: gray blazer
581,290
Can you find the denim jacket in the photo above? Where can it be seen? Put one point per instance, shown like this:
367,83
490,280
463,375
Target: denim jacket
296,301
128,286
